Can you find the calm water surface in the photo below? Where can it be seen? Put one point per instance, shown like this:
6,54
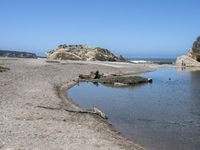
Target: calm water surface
164,115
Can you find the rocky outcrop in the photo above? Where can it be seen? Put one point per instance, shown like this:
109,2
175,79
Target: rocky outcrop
194,52
17,54
114,80
82,52
192,59
186,61
92,75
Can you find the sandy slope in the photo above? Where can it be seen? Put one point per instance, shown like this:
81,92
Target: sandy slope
31,83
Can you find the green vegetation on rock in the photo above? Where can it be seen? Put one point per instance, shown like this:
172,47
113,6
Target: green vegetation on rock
113,80
122,80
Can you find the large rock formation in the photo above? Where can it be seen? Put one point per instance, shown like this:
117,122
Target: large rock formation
192,59
194,52
17,54
82,52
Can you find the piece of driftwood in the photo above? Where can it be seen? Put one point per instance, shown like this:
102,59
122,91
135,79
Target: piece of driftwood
100,113
95,110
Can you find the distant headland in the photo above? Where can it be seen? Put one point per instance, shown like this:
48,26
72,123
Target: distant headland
17,54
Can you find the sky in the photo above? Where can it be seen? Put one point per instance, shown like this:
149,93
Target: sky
132,28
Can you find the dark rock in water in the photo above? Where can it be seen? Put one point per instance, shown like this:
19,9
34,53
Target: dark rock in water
117,81
17,54
123,81
150,80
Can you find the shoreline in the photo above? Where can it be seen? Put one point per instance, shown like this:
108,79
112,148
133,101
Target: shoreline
75,108
63,92
31,97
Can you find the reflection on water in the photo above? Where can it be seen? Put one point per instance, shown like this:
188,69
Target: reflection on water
160,116
187,69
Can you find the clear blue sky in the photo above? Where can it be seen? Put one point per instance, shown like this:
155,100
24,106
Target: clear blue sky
133,28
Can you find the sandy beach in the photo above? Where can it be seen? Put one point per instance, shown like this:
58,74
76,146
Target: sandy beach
29,87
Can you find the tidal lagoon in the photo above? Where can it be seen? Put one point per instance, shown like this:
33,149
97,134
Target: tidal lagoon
162,115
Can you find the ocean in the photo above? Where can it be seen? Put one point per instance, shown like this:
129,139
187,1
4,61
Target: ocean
153,60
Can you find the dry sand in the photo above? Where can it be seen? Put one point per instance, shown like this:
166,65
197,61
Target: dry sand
31,83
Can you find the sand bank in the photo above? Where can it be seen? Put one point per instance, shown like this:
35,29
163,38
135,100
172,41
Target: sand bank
29,88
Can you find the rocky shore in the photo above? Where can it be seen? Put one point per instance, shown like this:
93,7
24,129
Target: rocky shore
33,113
192,59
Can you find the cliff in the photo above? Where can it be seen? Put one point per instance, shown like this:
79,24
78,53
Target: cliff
194,52
192,59
17,54
82,52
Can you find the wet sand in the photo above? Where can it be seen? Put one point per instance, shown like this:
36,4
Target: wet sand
32,114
